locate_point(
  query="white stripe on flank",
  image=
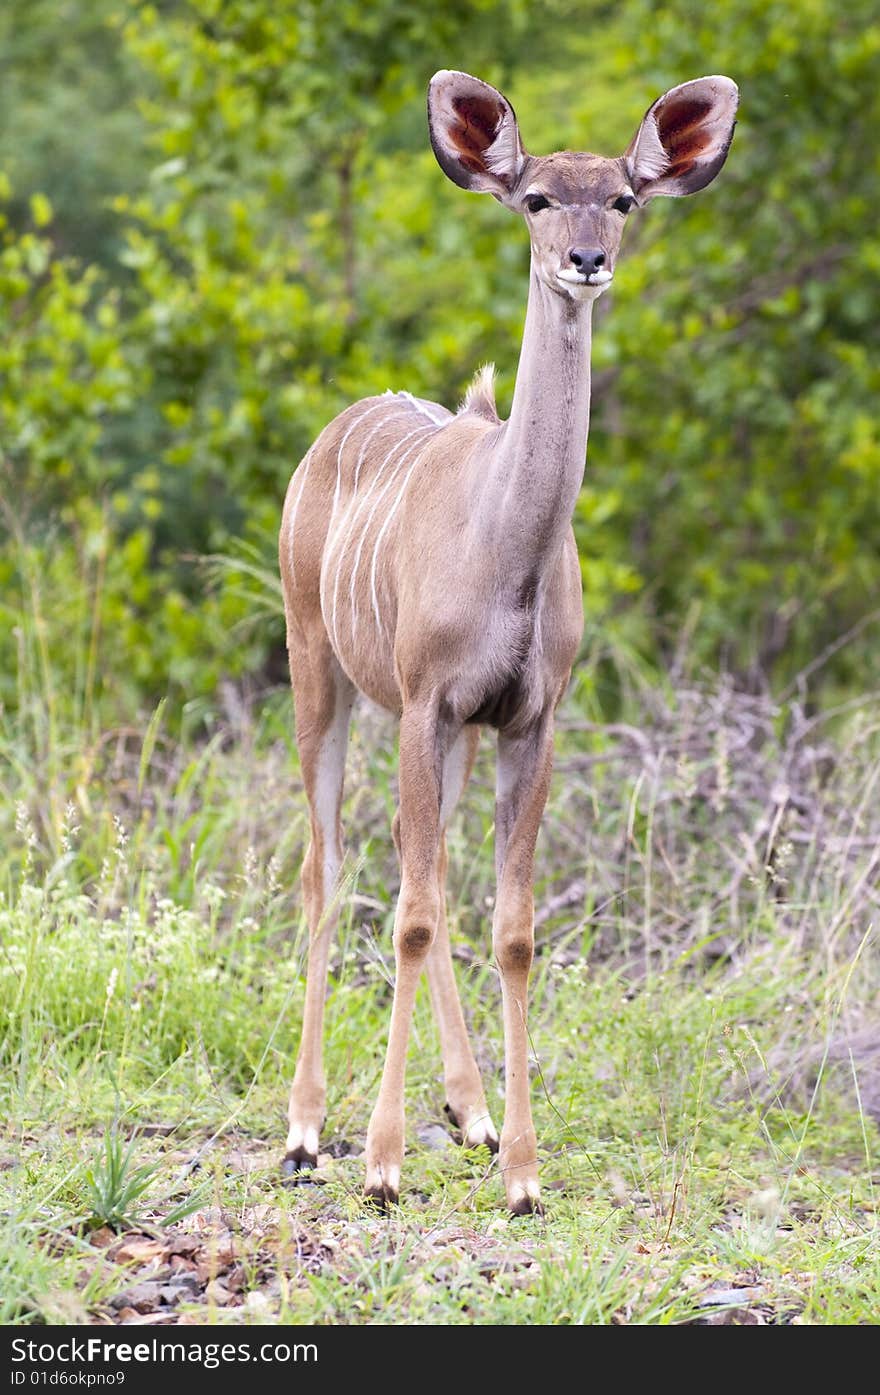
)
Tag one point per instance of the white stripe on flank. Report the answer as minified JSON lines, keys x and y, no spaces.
{"x":354,"y":517}
{"x":330,"y":543}
{"x":419,"y":431}
{"x":304,"y":467}
{"x":369,"y":436}
{"x":391,"y":512}
{"x":357,"y":421}
{"x":426,"y":410}
{"x":329,"y":546}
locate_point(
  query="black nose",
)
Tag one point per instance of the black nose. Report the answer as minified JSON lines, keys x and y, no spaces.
{"x":586,"y":259}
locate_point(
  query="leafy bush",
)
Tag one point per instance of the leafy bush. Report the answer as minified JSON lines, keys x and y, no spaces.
{"x":293,"y":246}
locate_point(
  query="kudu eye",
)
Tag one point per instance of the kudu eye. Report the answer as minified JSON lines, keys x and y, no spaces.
{"x":624,"y":203}
{"x":536,"y":203}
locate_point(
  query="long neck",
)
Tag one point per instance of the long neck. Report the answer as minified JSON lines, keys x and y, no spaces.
{"x":538,"y":462}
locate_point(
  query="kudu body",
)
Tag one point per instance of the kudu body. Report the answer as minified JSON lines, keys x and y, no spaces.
{"x":428,"y":560}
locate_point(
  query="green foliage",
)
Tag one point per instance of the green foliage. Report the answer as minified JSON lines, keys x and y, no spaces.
{"x":115,"y":1183}
{"x":288,"y":201}
{"x":703,"y":1084}
{"x":117,"y":1186}
{"x":739,"y":431}
{"x":83,"y":573}
{"x":282,"y":242}
{"x":68,"y":124}
{"x":63,"y":367}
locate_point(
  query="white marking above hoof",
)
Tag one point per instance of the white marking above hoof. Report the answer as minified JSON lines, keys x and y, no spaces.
{"x":379,"y":1177}
{"x":302,"y":1138}
{"x":481,"y":1131}
{"x":523,"y":1197}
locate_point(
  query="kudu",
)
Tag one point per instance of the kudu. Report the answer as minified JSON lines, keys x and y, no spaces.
{"x":428,"y":560}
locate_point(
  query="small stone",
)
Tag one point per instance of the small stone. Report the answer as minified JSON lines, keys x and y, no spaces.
{"x":729,"y":1297}
{"x":341,"y":1148}
{"x":433,"y":1136}
{"x":257,"y":1303}
{"x":181,"y":1289}
{"x":144,"y":1298}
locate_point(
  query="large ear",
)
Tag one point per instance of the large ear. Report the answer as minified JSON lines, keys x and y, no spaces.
{"x":684,"y":138}
{"x":474,"y":134}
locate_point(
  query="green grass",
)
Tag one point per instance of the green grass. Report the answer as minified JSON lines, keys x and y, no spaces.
{"x":703,"y":1025}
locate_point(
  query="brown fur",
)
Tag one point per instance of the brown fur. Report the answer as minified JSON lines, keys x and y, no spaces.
{"x":428,"y":561}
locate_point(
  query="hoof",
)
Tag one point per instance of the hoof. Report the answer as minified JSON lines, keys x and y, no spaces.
{"x":480,"y":1134}
{"x":381,"y":1198}
{"x":525,"y":1200}
{"x":490,"y":1141}
{"x":296,"y":1166}
{"x":526,"y":1206}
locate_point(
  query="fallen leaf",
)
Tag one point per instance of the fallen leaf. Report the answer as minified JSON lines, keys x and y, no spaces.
{"x":102,"y":1237}
{"x":179,"y":1264}
{"x":183,"y":1244}
{"x":137,"y":1249}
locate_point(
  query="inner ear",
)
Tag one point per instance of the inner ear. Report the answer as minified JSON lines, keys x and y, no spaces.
{"x":684,"y":138}
{"x":480,"y":120}
{"x":474,"y":134}
{"x":684,"y":131}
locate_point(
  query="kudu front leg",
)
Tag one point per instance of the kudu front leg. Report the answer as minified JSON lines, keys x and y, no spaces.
{"x":423,"y":745}
{"x":524,"y":767}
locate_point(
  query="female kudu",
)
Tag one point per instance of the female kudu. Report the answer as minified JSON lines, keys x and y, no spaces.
{"x":428,"y":560}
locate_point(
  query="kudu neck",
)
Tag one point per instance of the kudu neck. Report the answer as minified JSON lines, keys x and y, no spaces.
{"x":543,"y":448}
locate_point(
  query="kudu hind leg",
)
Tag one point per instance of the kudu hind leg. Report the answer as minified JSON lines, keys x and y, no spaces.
{"x":524,"y":766}
{"x":465,"y":1096}
{"x":323,"y":698}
